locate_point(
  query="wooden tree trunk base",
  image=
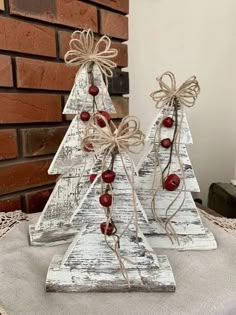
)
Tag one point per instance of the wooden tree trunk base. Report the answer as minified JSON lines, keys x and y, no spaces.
{"x":186,"y":242}
{"x":66,"y":279}
{"x":52,"y":237}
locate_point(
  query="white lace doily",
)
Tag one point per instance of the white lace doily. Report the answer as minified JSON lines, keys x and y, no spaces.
{"x":8,"y":220}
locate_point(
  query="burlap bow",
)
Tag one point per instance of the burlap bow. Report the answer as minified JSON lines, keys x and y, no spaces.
{"x":168,"y":93}
{"x":85,"y":50}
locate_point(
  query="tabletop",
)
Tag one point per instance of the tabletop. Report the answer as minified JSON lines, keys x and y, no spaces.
{"x":206,"y":282}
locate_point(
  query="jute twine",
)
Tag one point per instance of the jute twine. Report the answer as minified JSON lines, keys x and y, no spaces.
{"x":172,"y":98}
{"x":85,"y":50}
{"x":109,"y":141}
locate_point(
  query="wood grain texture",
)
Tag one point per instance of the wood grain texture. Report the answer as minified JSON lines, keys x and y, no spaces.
{"x":69,"y":154}
{"x":185,"y":134}
{"x":85,"y":269}
{"x":79,"y":100}
{"x":147,"y":166}
{"x":204,"y":241}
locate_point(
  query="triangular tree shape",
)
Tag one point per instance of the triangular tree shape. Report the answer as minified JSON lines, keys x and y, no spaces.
{"x":91,"y":262}
{"x":187,"y":220}
{"x":80,"y":100}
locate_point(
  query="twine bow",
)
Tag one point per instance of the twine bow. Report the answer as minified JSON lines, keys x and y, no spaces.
{"x":85,"y":50}
{"x":123,"y":138}
{"x":185,"y":95}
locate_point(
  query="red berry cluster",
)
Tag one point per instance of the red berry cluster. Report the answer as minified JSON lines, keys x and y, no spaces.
{"x":105,"y":200}
{"x":172,"y":181}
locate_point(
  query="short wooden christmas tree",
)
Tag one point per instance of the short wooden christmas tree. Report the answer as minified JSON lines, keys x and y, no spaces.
{"x":110,"y":253}
{"x":166,"y":177}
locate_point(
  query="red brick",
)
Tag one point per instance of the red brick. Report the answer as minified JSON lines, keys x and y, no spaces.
{"x":36,"y":201}
{"x":16,"y":177}
{"x":2,"y":7}
{"x":72,"y":13}
{"x":28,"y":108}
{"x":119,"y":5}
{"x":5,"y":71}
{"x":8,"y":144}
{"x":37,"y":74}
{"x":77,"y":14}
{"x":42,"y":10}
{"x":42,"y":141}
{"x":121,"y":59}
{"x":113,"y":24}
{"x":27,"y":37}
{"x":10,"y":204}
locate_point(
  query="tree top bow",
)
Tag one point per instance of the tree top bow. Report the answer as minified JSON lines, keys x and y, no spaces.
{"x":84,"y":49}
{"x":168,"y":93}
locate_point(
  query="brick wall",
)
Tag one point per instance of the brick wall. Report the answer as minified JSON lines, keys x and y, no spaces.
{"x":34,"y":84}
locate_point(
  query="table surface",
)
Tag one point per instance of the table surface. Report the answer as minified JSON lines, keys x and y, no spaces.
{"x":206,"y":282}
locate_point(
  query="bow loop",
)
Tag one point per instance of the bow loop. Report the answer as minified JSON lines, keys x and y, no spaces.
{"x":84,"y":49}
{"x":110,"y":138}
{"x":168,"y":93}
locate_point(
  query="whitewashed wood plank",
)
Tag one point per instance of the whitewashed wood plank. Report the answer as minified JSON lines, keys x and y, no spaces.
{"x":186,"y":221}
{"x":185,"y":134}
{"x":90,"y":209}
{"x":79,"y":100}
{"x":186,"y":242}
{"x":90,"y":265}
{"x":73,"y":280}
{"x":147,"y":167}
{"x":69,"y":155}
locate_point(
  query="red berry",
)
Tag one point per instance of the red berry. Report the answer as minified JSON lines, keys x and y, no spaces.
{"x":108,"y":176}
{"x":92,"y":177}
{"x":168,"y":122}
{"x":93,"y":90}
{"x":166,"y":143}
{"x":101,"y":122}
{"x":106,"y":229}
{"x":84,"y":116}
{"x":105,"y":200}
{"x":172,"y":182}
{"x":88,"y":147}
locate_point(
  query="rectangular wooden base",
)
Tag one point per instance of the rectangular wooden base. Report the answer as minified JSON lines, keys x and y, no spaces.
{"x":51,"y":237}
{"x":67,"y":279}
{"x":186,"y":242}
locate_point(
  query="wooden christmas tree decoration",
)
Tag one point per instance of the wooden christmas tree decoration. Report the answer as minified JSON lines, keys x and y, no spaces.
{"x":110,"y":253}
{"x":89,"y":95}
{"x":166,"y":177}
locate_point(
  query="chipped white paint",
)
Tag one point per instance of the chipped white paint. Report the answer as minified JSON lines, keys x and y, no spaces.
{"x":122,"y":205}
{"x":185,"y":134}
{"x":187,"y":222}
{"x":90,"y":265}
{"x":204,"y":241}
{"x":80,"y":100}
{"x":146,"y":169}
{"x":69,"y":154}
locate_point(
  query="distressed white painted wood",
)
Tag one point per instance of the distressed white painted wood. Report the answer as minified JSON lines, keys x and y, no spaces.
{"x":122,"y":205}
{"x":69,"y":155}
{"x":204,"y":241}
{"x":186,"y":221}
{"x":90,"y":265}
{"x":79,"y":100}
{"x":185,"y":133}
{"x":146,"y":169}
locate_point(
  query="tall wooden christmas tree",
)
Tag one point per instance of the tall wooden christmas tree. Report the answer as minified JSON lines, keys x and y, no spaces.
{"x":166,"y":177}
{"x":110,"y":253}
{"x":88,"y":95}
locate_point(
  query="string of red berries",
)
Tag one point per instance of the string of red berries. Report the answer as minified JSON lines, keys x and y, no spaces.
{"x":170,"y":181}
{"x":108,"y":177}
